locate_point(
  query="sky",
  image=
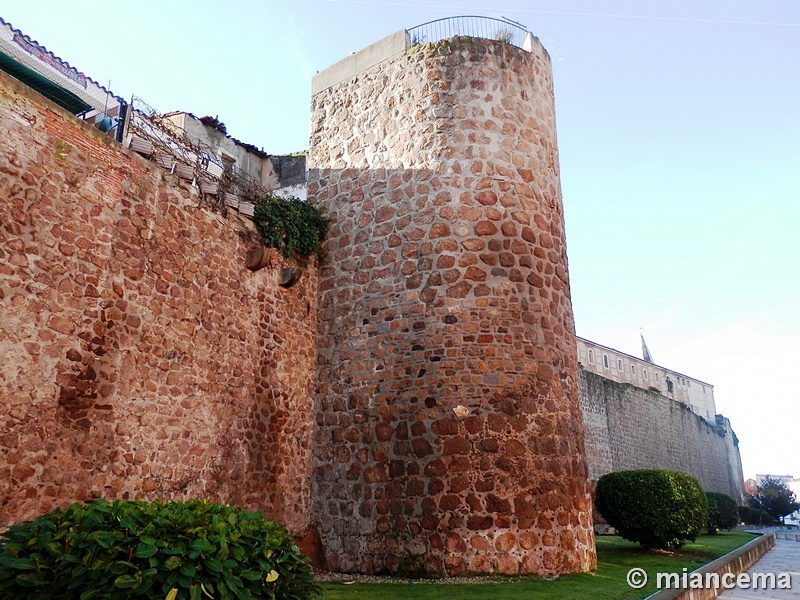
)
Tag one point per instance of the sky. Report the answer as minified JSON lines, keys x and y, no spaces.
{"x":679,"y":140}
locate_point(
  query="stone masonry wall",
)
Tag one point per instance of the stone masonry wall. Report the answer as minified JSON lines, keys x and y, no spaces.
{"x":734,"y":464}
{"x":631,"y":428}
{"x":449,"y":436}
{"x":140,"y":358}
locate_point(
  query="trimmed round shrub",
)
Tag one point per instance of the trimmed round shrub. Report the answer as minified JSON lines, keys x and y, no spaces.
{"x":164,"y":550}
{"x":657,"y":509}
{"x":722,"y":512}
{"x":755,"y":516}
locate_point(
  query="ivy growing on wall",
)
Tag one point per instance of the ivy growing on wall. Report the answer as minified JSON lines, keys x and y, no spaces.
{"x":292,"y":226}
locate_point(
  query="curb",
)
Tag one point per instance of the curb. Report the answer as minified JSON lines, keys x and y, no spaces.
{"x":737,"y":561}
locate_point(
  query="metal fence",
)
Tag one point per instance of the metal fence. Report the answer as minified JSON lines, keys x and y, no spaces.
{"x":501,"y":30}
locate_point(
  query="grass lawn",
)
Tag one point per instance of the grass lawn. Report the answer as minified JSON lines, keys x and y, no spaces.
{"x":615,"y":557}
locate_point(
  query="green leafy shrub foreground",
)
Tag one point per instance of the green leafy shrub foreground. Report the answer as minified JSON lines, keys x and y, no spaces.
{"x":656,"y":508}
{"x":135,"y":549}
{"x":722,"y":512}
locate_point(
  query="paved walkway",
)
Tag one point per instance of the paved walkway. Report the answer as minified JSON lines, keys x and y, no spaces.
{"x":783,"y":558}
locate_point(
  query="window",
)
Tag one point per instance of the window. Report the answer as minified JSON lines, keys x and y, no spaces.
{"x":633,"y":369}
{"x":644,"y":374}
{"x":688,"y":383}
{"x":619,"y":365}
{"x":656,"y":376}
{"x":605,"y":360}
{"x":591,"y":357}
{"x":228,"y":162}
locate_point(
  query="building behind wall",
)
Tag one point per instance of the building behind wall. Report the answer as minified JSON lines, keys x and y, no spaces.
{"x":638,"y":414}
{"x":624,"y":368}
{"x":31,"y":63}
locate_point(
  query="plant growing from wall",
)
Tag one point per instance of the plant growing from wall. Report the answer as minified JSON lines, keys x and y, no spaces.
{"x":504,"y":35}
{"x":292,"y":226}
{"x":657,"y":509}
{"x":164,"y":550}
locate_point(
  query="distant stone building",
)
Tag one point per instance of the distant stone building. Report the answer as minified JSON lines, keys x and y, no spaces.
{"x":640,"y":415}
{"x":624,"y":368}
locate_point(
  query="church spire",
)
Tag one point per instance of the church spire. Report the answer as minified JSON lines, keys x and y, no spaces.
{"x":645,"y":352}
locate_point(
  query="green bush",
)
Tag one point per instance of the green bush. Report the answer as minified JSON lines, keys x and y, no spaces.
{"x":722,"y":512}
{"x":294,"y":227}
{"x":169,"y":550}
{"x":755,"y":516}
{"x":658,"y":509}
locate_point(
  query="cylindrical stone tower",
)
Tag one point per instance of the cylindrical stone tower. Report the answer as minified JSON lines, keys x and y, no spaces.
{"x":448,"y":433}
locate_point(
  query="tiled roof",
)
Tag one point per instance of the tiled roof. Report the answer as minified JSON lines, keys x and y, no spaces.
{"x":54,"y":61}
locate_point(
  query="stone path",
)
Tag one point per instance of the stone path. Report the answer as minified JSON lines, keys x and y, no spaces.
{"x":783,"y":558}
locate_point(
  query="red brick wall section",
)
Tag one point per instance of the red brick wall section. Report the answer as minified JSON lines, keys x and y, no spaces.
{"x":449,"y":437}
{"x":140,"y":358}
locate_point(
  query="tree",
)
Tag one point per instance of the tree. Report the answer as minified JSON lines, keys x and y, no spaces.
{"x":775,"y":497}
{"x":722,"y":512}
{"x":657,"y":509}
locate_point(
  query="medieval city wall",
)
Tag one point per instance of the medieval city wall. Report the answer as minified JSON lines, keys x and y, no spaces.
{"x":627,"y":427}
{"x":140,"y":358}
{"x":449,"y":437}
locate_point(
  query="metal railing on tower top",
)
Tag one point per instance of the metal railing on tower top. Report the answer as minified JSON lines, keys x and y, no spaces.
{"x":502,"y":30}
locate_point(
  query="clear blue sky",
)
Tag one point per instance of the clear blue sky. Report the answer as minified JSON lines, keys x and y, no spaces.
{"x":679,"y":136}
